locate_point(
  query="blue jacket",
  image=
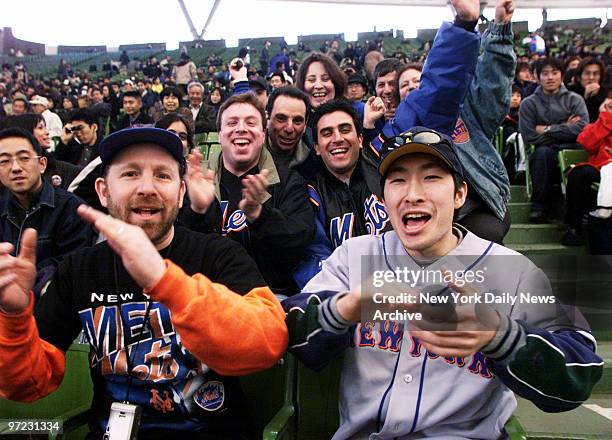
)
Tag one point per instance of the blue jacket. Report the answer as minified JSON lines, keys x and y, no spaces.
{"x":482,"y":112}
{"x":60,"y":229}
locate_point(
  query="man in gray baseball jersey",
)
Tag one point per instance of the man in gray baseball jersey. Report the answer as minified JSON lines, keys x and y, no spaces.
{"x":426,"y":370}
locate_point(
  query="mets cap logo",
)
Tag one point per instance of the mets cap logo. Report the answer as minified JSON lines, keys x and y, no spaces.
{"x":210,"y":396}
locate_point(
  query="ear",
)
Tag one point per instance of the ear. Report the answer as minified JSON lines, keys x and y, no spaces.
{"x":317,"y":149}
{"x":42,"y":164}
{"x":461,"y":195}
{"x":182,"y":191}
{"x":102,"y":191}
{"x":360,"y":137}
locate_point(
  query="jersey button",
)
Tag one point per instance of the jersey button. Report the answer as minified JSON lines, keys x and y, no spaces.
{"x":408,"y":378}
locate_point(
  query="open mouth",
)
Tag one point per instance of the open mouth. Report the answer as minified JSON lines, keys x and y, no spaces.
{"x":146,"y":212}
{"x":338,"y":151}
{"x":319,"y":95}
{"x":414,"y":222}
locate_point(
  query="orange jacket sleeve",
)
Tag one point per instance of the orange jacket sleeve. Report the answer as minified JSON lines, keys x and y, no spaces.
{"x":593,"y":135}
{"x":233,"y":334}
{"x":30,"y":368}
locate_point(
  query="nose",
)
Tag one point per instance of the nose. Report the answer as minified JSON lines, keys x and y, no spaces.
{"x":241,"y":125}
{"x":414,"y":192}
{"x":15,"y":166}
{"x":336,"y":137}
{"x":146,"y":184}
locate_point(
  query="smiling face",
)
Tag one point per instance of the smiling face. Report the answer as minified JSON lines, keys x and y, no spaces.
{"x":318,"y":85}
{"x":386,"y":87}
{"x":420,"y":198}
{"x":171,"y":103}
{"x":287,"y":123}
{"x":142,"y":186}
{"x":338,"y":143}
{"x":241,"y":137}
{"x":41,"y":133}
{"x":409,"y":81}
{"x":550,"y":80}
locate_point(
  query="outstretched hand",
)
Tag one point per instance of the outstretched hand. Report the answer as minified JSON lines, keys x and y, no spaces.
{"x":17,"y":274}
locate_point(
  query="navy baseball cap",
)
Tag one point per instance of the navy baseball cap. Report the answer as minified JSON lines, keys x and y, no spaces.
{"x":114,"y":143}
{"x":420,"y":140}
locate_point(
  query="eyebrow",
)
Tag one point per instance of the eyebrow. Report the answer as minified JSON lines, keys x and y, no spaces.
{"x":16,"y":153}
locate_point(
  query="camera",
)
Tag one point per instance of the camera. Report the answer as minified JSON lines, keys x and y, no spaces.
{"x":123,"y":422}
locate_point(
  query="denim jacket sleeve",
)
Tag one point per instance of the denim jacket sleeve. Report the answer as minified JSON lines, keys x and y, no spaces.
{"x":488,"y":96}
{"x":448,"y":71}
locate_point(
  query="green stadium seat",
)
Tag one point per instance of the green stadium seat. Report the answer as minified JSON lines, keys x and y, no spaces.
{"x":69,"y":404}
{"x":271,"y":399}
{"x":498,"y":140}
{"x":568,"y":159}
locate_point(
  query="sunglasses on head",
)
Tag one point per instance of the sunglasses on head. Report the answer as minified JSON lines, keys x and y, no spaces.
{"x":422,"y":137}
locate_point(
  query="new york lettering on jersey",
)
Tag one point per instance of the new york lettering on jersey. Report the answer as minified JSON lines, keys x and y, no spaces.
{"x":389,"y":335}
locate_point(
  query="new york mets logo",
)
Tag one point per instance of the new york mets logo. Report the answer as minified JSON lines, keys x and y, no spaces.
{"x":460,"y":134}
{"x":210,"y":396}
{"x":375,"y":214}
{"x":236,"y":221}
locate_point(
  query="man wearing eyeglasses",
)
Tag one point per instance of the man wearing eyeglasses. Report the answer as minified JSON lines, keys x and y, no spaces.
{"x":31,"y":202}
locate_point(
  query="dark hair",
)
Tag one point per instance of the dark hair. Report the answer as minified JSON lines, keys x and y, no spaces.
{"x":590,"y":61}
{"x":281,"y":76}
{"x":242,"y":98}
{"x":133,"y":94}
{"x":84,"y":114}
{"x":169,"y":90}
{"x":550,"y":62}
{"x":517,"y":89}
{"x":336,"y":105}
{"x":520,"y":66}
{"x":209,"y":102}
{"x":169,"y":119}
{"x":569,"y":60}
{"x":19,"y":132}
{"x":386,"y":66}
{"x":336,"y":75}
{"x":27,"y":121}
{"x":291,"y":92}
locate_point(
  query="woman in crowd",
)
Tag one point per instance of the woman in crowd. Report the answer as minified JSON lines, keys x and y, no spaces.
{"x":322,"y":80}
{"x":171,"y":103}
{"x":215,"y":99}
{"x":178,"y":125}
{"x":69,"y":103}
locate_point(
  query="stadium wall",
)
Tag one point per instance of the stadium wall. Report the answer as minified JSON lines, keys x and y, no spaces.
{"x":8,"y":41}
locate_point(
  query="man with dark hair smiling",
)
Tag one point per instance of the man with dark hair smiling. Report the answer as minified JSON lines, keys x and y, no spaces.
{"x":138,"y":298}
{"x":134,"y":114}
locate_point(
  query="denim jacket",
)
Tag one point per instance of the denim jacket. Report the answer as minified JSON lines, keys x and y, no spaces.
{"x":60,"y":229}
{"x":483,"y":111}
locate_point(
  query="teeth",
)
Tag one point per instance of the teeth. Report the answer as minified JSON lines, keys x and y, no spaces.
{"x":319,"y":95}
{"x":339,"y":150}
{"x":241,"y":142}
